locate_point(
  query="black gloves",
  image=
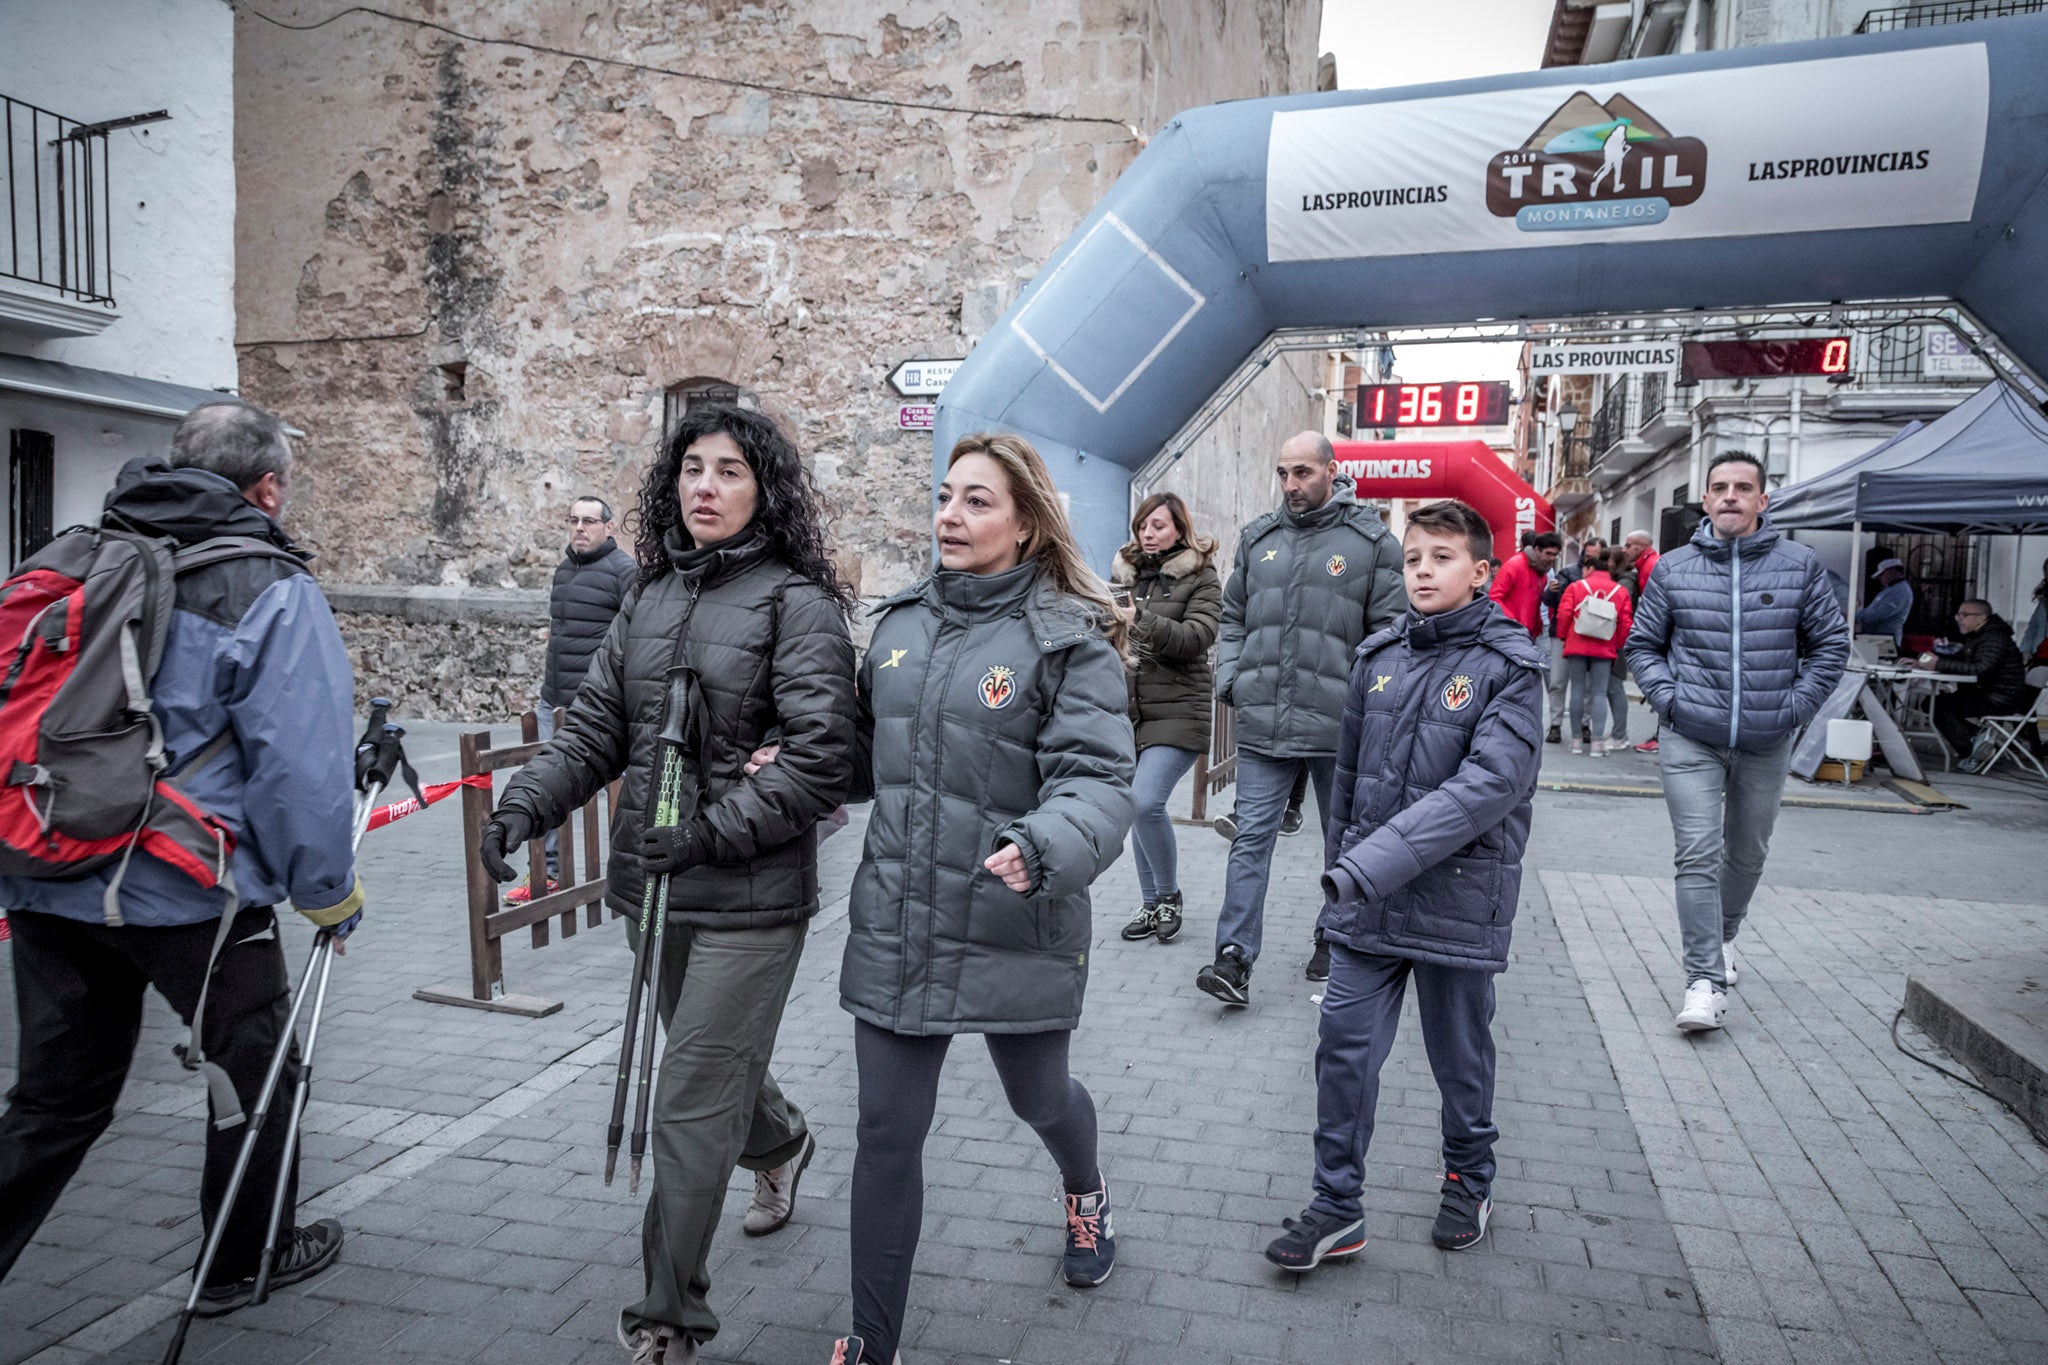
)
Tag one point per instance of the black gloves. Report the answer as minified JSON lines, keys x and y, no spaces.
{"x":673,"y":848}
{"x":503,"y":832}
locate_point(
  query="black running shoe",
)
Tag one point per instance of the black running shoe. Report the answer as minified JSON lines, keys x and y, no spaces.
{"x":1144,"y":924}
{"x":1555,"y":735}
{"x":1461,"y":1218}
{"x":1318,"y":968}
{"x":1314,"y":1238}
{"x":1290,"y":823}
{"x":1166,"y":924}
{"x":306,"y":1252}
{"x":1229,"y":977}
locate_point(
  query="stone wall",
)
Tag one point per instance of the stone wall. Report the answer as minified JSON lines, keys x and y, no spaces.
{"x":469,"y":272}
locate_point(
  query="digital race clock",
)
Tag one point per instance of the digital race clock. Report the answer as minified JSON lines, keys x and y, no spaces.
{"x":1477,"y":403}
{"x":1766,"y":358}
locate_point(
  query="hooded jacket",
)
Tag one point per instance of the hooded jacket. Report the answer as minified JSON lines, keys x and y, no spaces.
{"x":1305,"y":590}
{"x":771,"y":655}
{"x":252,"y":651}
{"x":1989,"y":654}
{"x":1179,"y":603}
{"x":992,"y":711}
{"x":1436,"y":765}
{"x":1737,"y":643}
{"x":589,"y":586}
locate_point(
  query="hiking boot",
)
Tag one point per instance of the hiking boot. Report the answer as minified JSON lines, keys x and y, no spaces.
{"x":847,"y":1351}
{"x":1314,"y":1238}
{"x":1091,"y":1243}
{"x":1229,"y":977}
{"x":1144,"y":924}
{"x":775,"y":1192}
{"x":658,"y":1346}
{"x":1461,"y":1218}
{"x":1554,"y":735}
{"x":1166,"y":921}
{"x":522,"y":894}
{"x":1290,"y":823}
{"x":1728,"y":971}
{"x":1318,"y":968}
{"x":1226,"y":825}
{"x":303,"y":1253}
{"x":1706,"y":1007}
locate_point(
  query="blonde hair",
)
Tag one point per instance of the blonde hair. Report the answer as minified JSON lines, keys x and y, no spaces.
{"x":1050,"y":539}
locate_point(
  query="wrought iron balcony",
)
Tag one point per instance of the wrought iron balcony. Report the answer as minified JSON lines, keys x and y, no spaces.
{"x":54,"y":179}
{"x":1959,"y":12}
{"x":1611,"y":423}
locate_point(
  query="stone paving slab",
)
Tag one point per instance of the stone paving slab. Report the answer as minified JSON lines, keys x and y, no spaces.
{"x":463,"y":1151}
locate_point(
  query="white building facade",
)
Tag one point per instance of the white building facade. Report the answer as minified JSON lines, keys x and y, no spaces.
{"x":117,"y":247}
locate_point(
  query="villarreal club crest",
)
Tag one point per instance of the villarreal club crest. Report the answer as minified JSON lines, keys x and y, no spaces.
{"x":998,"y":687}
{"x":1334,"y":566}
{"x":1457,"y":693}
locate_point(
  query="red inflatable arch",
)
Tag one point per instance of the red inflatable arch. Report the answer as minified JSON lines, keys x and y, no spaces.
{"x":1467,"y":470}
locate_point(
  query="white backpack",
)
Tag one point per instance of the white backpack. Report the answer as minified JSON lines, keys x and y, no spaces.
{"x":1597,"y":618}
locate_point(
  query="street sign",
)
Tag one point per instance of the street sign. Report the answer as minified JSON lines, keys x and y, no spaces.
{"x":923,"y":378}
{"x":1603,"y":357}
{"x":1947,"y":356}
{"x":917,"y":416}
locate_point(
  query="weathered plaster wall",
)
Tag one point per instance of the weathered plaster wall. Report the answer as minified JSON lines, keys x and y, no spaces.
{"x":469,"y":271}
{"x":172,"y":183}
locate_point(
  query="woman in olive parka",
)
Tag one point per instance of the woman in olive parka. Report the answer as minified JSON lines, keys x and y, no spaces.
{"x":996,"y":743}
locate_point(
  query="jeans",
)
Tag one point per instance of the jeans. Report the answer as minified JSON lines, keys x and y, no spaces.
{"x":1355,"y":1031}
{"x":1956,"y":715}
{"x":1723,"y":803}
{"x":1589,"y":673}
{"x":1617,"y":699}
{"x":715,"y":1105}
{"x":78,"y":992}
{"x":1160,"y":769}
{"x":1557,"y":680}
{"x":1262,"y":788}
{"x":899,"y":1094}
{"x":544,"y":712}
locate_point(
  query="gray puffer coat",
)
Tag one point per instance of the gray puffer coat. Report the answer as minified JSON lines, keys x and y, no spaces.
{"x":772,"y":656}
{"x":991,"y":712}
{"x":1179,"y":602}
{"x":1305,"y":591}
{"x":1737,"y":643}
{"x":588,"y":590}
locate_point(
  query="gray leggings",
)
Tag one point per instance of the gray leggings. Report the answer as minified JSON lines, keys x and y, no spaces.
{"x":899,"y":1093}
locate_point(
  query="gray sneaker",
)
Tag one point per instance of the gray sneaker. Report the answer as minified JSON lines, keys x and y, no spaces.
{"x":658,"y":1346}
{"x":775,"y":1192}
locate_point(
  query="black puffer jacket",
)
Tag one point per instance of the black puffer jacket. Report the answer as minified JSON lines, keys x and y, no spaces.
{"x":1989,"y":654}
{"x":1179,"y":602}
{"x":587,"y":592}
{"x":772,"y":656}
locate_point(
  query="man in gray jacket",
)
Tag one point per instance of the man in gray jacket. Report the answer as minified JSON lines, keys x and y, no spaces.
{"x":1737,"y":641}
{"x":1312,"y":579}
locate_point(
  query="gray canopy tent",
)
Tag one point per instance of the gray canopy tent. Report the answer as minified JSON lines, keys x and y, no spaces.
{"x":1982,"y":466}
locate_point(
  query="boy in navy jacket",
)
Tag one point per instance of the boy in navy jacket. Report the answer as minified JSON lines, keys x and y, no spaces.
{"x":1436,"y":762}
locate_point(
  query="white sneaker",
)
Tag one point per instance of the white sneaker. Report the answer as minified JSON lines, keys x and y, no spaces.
{"x":1578,"y":747}
{"x":1599,"y":748}
{"x":1706,"y":1006}
{"x":1728,"y":971}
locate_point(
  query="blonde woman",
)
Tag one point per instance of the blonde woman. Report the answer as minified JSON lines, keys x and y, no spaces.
{"x":998,"y":753}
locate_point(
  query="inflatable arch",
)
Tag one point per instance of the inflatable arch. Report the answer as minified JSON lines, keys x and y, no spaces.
{"x":1450,"y":469}
{"x":1886,"y":167}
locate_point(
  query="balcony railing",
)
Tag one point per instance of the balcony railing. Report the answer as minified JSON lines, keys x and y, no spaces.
{"x":1655,"y":387}
{"x":54,"y":180}
{"x":1959,"y":12}
{"x":1611,"y":423}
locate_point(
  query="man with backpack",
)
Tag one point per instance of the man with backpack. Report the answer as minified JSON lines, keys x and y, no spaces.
{"x":238,"y":693}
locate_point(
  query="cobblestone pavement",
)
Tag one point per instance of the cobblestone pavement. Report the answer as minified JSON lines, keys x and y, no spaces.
{"x":463,"y":1150}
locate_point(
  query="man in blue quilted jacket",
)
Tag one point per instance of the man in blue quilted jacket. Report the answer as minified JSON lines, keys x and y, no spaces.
{"x":1737,"y":641}
{"x":1436,"y":763}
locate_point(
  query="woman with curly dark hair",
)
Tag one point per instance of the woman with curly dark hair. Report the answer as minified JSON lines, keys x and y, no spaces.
{"x":738,"y":599}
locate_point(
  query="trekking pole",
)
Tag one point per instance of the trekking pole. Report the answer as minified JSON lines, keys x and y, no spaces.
{"x":323,"y":947}
{"x":668,"y":811}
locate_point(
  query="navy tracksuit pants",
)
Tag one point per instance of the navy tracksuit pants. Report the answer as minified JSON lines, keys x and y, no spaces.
{"x":1361,"y":1011}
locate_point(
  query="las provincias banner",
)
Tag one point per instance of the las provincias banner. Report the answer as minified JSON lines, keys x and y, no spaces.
{"x":1883,"y":140}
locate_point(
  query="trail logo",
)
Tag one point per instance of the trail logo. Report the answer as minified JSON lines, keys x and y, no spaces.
{"x":1335,"y":566}
{"x":1457,"y":693}
{"x":998,"y":687}
{"x":1594,"y":165}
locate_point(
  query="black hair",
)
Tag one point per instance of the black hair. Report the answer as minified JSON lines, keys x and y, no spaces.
{"x":602,"y":506}
{"x":1449,"y":517}
{"x":1545,"y":540}
{"x":2041,"y":588}
{"x":786,"y":505}
{"x":1736,"y":457}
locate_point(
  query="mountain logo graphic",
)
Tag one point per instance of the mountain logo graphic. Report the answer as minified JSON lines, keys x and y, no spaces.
{"x":1595,"y":165}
